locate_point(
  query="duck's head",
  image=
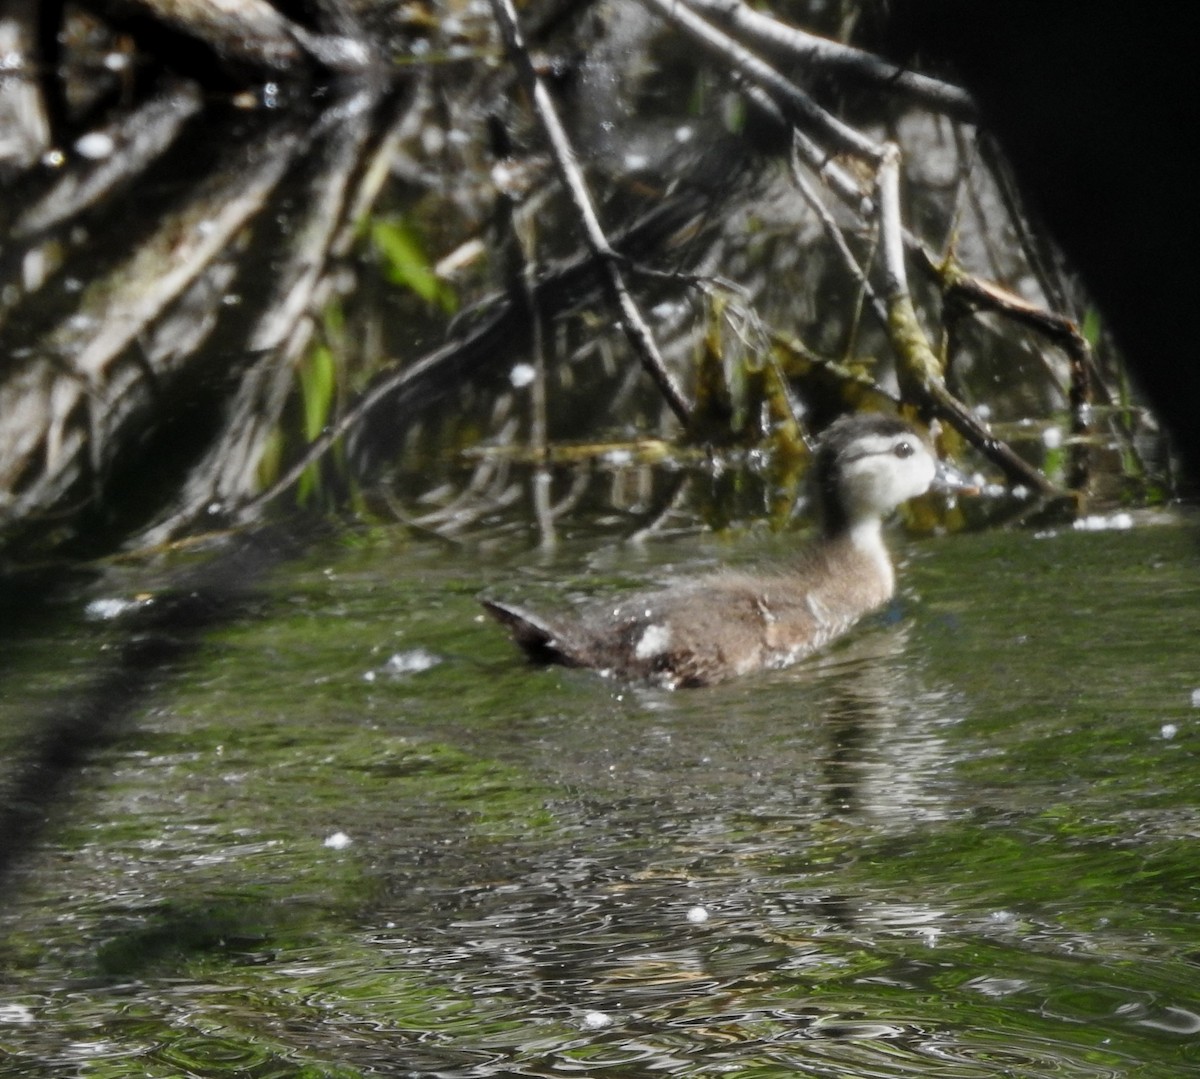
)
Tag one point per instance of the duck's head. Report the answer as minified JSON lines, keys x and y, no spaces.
{"x":866,"y":465}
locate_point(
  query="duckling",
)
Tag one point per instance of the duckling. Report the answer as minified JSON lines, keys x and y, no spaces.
{"x":729,"y":622}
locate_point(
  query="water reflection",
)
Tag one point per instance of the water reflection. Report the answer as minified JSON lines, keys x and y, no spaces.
{"x":855,"y":735}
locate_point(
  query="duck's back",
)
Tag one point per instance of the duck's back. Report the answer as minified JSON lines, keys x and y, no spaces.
{"x":725,"y":624}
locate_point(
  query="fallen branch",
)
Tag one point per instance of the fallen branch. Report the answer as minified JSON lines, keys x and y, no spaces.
{"x":257,"y":33}
{"x":965,"y":294}
{"x":918,"y":368}
{"x":78,"y":392}
{"x":918,"y":361}
{"x":797,"y":106}
{"x":769,"y":32}
{"x":136,"y":140}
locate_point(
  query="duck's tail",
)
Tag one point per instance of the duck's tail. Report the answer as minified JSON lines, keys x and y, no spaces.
{"x":540,"y":640}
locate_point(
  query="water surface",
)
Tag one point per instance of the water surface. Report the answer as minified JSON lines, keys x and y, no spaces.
{"x":962,"y":843}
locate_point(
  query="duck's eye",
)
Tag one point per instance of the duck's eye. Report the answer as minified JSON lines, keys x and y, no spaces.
{"x":903,"y":449}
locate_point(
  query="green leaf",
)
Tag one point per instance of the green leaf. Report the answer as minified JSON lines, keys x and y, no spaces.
{"x":318,"y":380}
{"x":407,"y":264}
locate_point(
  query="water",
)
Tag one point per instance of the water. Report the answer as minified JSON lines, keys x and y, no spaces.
{"x":960,"y":844}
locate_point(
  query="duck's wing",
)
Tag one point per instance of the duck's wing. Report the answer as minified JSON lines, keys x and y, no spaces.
{"x":539,"y":638}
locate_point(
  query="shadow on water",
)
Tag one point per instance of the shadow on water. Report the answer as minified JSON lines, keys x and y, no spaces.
{"x":83,"y":718}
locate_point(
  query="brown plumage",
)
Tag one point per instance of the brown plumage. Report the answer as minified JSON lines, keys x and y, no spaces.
{"x":730,"y":622}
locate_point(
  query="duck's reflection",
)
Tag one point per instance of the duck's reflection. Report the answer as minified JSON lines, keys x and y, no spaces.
{"x":882,"y":750}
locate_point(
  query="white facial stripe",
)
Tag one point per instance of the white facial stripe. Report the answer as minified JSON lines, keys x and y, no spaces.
{"x":872,"y":445}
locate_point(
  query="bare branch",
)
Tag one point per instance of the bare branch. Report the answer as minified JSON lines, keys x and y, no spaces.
{"x":632,"y":322}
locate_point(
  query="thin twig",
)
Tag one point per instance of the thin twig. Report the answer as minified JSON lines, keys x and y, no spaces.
{"x":518,"y":252}
{"x":841,"y":181}
{"x":836,"y":238}
{"x":632,"y":322}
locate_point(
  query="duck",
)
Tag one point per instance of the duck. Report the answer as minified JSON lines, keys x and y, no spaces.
{"x":731,"y":622}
